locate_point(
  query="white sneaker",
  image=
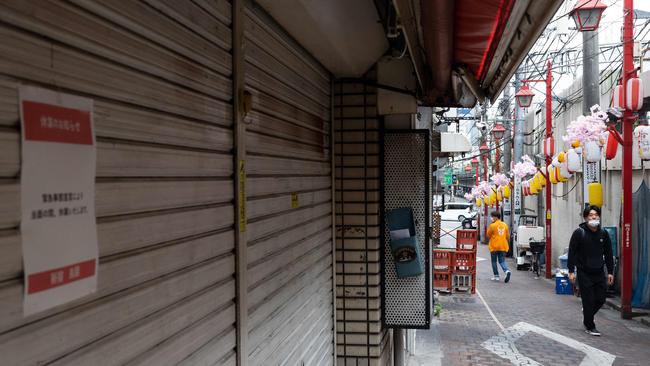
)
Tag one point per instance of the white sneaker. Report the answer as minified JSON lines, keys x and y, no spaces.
{"x":495,"y":278}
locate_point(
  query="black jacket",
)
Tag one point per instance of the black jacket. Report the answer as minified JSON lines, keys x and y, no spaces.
{"x":589,"y":250}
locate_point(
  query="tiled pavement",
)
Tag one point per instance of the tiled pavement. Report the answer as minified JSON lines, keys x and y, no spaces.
{"x":465,"y":327}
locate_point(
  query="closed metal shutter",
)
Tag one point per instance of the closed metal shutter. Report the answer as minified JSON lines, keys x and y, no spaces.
{"x":160,"y":75}
{"x":289,"y":192}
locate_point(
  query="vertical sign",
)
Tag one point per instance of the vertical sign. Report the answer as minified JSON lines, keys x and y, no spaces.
{"x":517,"y":204}
{"x":242,"y":196}
{"x":57,"y":191}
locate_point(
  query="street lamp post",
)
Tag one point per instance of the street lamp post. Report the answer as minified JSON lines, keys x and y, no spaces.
{"x":587,"y":14}
{"x":524,"y":98}
{"x":628,"y":121}
{"x":485,"y":150}
{"x":497,"y":132}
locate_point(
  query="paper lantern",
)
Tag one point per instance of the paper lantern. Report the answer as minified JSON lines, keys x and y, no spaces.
{"x":506,"y":191}
{"x":572,"y":161}
{"x":575,"y":144}
{"x":564,"y":173}
{"x":479,"y":202}
{"x":617,"y":97}
{"x":555,"y":162}
{"x":493,"y":197}
{"x":499,"y":195}
{"x":634,"y":94}
{"x":611,"y":147}
{"x":551,"y":174}
{"x":561,"y":157}
{"x":642,"y":133}
{"x":549,"y":146}
{"x":592,"y":152}
{"x":595,"y":192}
{"x":558,"y":175}
{"x":535,"y":187}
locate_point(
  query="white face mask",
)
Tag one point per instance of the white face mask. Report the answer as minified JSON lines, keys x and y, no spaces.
{"x":593,"y":223}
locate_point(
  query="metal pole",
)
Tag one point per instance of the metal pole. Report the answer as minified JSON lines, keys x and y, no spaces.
{"x":507,"y":146}
{"x":549,"y":134}
{"x":485,"y":209}
{"x":398,"y":343}
{"x":518,"y":153}
{"x":591,"y":91}
{"x":628,"y":119}
{"x":496,"y":163}
{"x":507,"y":152}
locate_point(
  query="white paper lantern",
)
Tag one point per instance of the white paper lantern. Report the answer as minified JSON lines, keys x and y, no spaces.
{"x":617,"y":98}
{"x":642,"y":133}
{"x":634,"y":94}
{"x":592,"y":151}
{"x":549,"y":146}
{"x":564,"y":170}
{"x":555,"y":161}
{"x":572,"y":161}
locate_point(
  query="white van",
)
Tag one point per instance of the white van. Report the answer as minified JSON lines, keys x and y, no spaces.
{"x":458,"y":211}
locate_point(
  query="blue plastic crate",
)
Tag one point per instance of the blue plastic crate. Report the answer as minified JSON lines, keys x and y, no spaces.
{"x":563,"y":286}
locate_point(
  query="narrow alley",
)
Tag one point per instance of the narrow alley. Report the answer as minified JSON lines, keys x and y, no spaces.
{"x":271,"y":182}
{"x":524,"y":322}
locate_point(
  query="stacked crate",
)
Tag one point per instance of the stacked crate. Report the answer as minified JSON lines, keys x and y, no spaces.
{"x":443,"y":260}
{"x":456,"y":269}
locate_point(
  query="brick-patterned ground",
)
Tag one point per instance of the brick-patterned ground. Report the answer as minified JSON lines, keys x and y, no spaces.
{"x":457,"y":337}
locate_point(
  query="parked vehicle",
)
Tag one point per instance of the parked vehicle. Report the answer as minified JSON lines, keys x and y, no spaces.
{"x":458,"y":211}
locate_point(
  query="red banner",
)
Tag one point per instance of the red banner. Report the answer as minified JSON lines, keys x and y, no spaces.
{"x":46,"y":280}
{"x":47,"y":122}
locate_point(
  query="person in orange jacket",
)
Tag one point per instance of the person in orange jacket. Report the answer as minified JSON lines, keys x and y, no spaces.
{"x":499,"y":235}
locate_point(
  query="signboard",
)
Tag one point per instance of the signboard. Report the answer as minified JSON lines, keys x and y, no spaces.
{"x":516,"y":193}
{"x":57,"y":190}
{"x":448,"y":179}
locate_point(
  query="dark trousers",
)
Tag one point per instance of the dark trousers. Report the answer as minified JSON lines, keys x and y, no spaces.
{"x":592,"y":291}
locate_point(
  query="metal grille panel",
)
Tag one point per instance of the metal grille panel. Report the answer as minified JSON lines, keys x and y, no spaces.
{"x":406,"y":184}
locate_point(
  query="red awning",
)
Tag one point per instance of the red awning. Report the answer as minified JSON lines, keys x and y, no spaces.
{"x":478,"y":26}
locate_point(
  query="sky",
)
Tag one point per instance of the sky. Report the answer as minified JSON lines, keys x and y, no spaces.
{"x":563,"y":27}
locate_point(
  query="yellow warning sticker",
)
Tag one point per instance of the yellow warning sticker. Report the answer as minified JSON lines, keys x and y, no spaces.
{"x":294,"y":200}
{"x":242,"y":196}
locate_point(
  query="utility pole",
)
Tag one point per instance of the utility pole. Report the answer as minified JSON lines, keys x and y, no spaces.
{"x":507,"y":151}
{"x":628,"y":121}
{"x":591,"y":96}
{"x":518,"y":149}
{"x":548,"y":190}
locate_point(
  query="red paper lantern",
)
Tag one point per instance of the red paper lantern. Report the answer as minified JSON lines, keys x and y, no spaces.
{"x":612,"y":147}
{"x":617,"y":97}
{"x":634,"y":94}
{"x":549,"y":146}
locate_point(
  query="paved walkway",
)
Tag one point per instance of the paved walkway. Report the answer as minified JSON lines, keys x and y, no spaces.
{"x":525,"y":323}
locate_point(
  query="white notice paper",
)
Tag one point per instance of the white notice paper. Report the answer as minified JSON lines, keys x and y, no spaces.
{"x":57,"y":187}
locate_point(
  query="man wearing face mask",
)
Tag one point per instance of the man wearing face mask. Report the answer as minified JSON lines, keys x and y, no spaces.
{"x":590,"y":249}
